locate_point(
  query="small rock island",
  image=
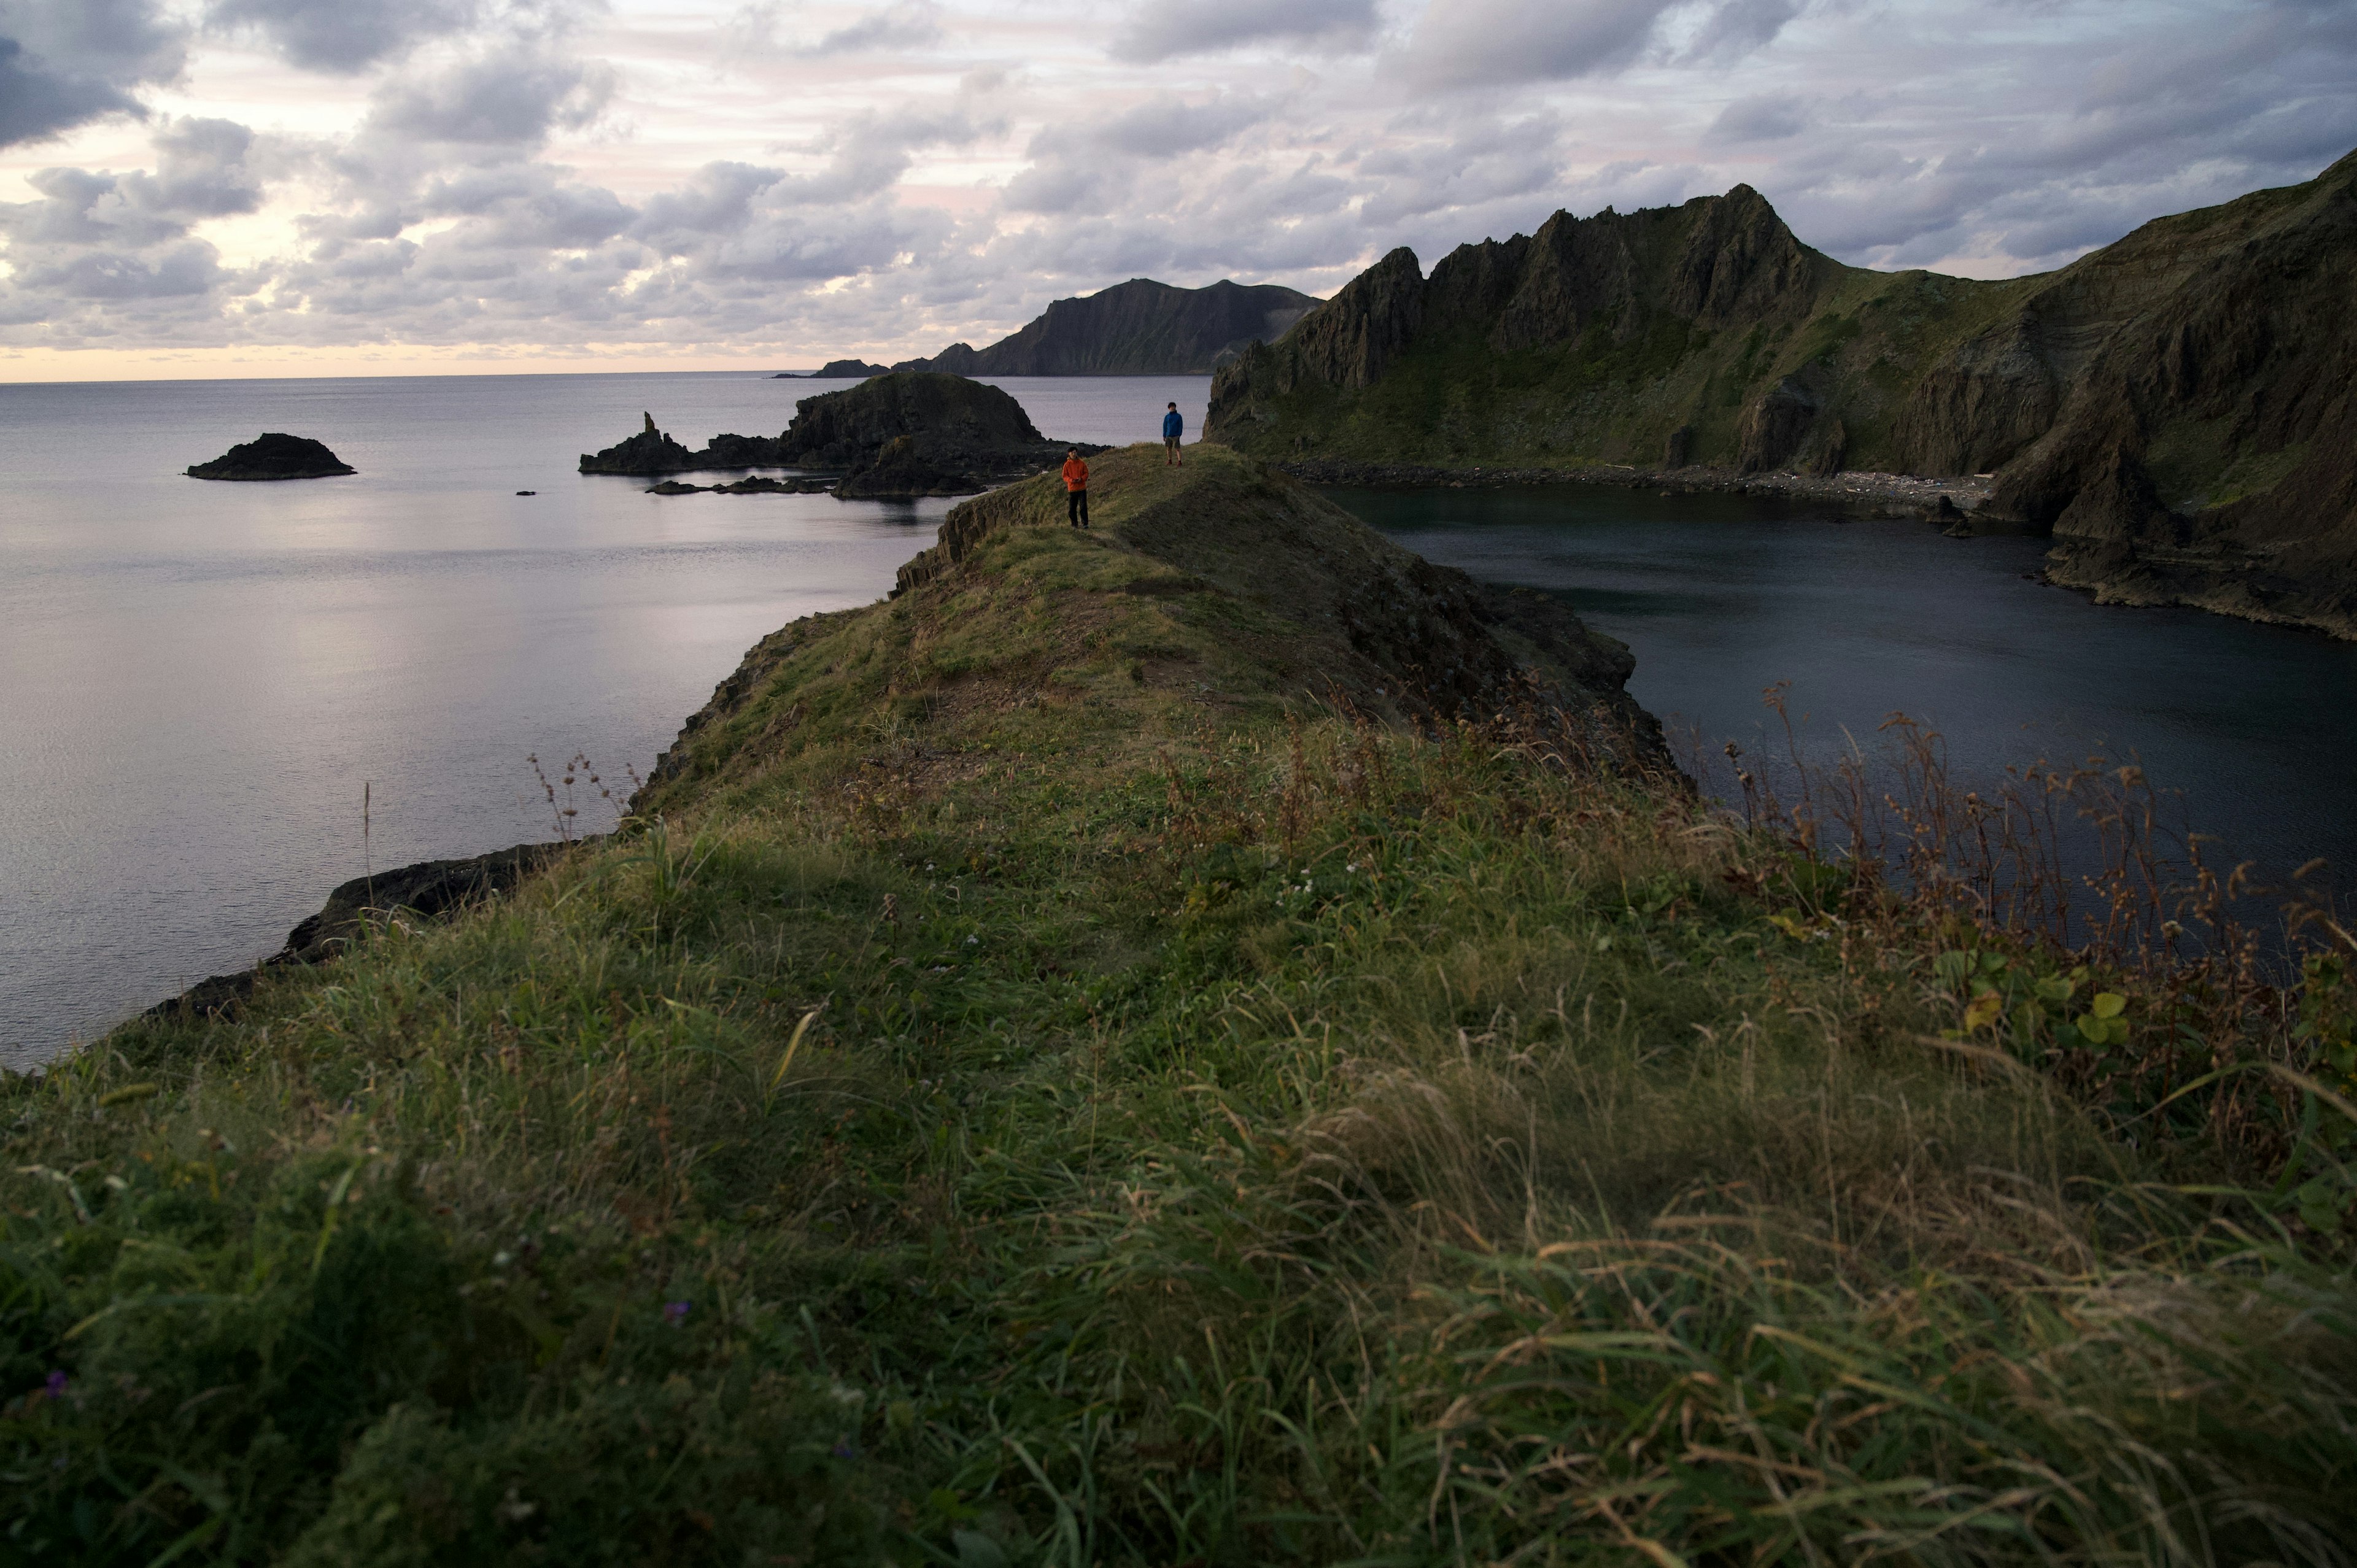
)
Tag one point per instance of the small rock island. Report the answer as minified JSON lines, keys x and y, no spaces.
{"x":273,"y":455}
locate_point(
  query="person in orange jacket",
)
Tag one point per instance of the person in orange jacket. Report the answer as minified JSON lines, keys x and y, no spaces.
{"x":1076,"y":489}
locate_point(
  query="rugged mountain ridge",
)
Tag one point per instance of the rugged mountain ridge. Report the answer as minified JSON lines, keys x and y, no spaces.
{"x":1137,"y":329}
{"x":2173,"y":407}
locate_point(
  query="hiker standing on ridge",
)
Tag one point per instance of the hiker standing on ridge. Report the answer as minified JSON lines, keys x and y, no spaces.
{"x":1174,"y":425}
{"x":1076,"y":489}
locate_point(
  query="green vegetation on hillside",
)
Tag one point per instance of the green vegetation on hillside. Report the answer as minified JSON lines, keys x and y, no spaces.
{"x":1046,"y":1078}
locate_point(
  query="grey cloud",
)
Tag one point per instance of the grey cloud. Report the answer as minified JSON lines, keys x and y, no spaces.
{"x":1165,"y":126}
{"x":201,"y":173}
{"x":909,"y":25}
{"x":64,"y":63}
{"x":189,"y":268}
{"x":1162,"y":29}
{"x":716,"y":200}
{"x":1770,"y":117}
{"x":1495,"y":43}
{"x":1735,"y":27}
{"x":343,"y":36}
{"x":509,"y":98}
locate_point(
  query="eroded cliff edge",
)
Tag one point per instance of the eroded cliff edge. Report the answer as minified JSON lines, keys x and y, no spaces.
{"x":2175,"y":408}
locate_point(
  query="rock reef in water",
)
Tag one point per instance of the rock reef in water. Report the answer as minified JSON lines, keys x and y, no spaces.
{"x":274,"y":455}
{"x":752,"y":484}
{"x":2173,"y":408}
{"x":956,"y":425}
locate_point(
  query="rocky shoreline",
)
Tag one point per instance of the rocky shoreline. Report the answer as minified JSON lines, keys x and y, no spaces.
{"x":1872,"y":494}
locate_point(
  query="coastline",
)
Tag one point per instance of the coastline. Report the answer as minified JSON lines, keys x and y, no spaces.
{"x":1879,"y":494}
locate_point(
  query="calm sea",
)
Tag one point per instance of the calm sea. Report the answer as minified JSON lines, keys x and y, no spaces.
{"x":197,"y":679}
{"x":200,"y":678}
{"x":2244,"y":728}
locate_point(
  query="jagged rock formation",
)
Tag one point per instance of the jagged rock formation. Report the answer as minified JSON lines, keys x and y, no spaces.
{"x":2175,"y":407}
{"x":648,"y":452}
{"x":1137,"y":329}
{"x":953,"y":423}
{"x":274,"y":455}
{"x":652,"y":452}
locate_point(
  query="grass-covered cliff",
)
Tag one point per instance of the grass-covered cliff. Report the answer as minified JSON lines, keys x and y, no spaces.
{"x":2173,"y":407}
{"x":1201,"y":1041}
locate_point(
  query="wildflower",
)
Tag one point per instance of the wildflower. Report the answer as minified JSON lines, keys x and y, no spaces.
{"x":55,"y":1385}
{"x":675,"y":1312}
{"x":844,"y":1450}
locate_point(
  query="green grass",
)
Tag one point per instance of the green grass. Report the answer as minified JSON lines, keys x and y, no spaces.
{"x":1009,"y":1109}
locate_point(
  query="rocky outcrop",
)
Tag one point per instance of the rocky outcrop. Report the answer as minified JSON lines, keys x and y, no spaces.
{"x":648,"y":452}
{"x":901,"y":471}
{"x":651,"y":452}
{"x":2175,"y":408}
{"x":429,"y":889}
{"x":274,"y":455}
{"x":1137,"y":329}
{"x":953,"y":425}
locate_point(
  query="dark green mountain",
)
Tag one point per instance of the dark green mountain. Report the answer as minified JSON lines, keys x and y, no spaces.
{"x":1137,"y":329}
{"x":2175,"y":408}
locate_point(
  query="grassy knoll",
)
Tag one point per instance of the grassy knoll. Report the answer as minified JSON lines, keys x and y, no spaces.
{"x":1063,"y":1069}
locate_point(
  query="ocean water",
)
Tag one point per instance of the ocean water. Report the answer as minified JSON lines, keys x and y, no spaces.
{"x":197,"y":681}
{"x":2244,"y":728}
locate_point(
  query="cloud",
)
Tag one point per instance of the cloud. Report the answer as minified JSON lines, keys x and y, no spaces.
{"x":1158,"y":30}
{"x":1493,"y":43}
{"x":503,"y":98}
{"x":64,"y":63}
{"x":907,"y":24}
{"x":343,"y":36}
{"x":1167,"y":126}
{"x":1768,"y":117}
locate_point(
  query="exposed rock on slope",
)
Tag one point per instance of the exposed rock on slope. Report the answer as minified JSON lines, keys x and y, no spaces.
{"x":2174,"y":407}
{"x":954,"y":423}
{"x":1137,"y":328}
{"x":431,"y":888}
{"x":274,"y":455}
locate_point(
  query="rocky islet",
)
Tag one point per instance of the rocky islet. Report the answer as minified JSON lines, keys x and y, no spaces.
{"x":273,"y":455}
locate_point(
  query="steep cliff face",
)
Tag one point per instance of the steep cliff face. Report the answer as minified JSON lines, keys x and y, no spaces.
{"x":2204,"y":447}
{"x":1137,"y":328}
{"x":1596,"y":339}
{"x":2175,"y":407}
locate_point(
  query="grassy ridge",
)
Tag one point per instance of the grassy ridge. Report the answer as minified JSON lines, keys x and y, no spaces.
{"x":1038,"y":1084}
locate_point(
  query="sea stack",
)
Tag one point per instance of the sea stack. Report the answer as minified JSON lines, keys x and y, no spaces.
{"x":274,"y":455}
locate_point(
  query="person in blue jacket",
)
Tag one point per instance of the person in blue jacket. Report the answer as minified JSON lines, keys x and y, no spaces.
{"x":1174,"y":424}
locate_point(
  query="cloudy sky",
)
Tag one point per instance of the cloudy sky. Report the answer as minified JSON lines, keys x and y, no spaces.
{"x":290,"y":186}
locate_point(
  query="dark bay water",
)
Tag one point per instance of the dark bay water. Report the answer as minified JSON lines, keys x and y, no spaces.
{"x":197,"y":679}
{"x":1720,"y":596}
